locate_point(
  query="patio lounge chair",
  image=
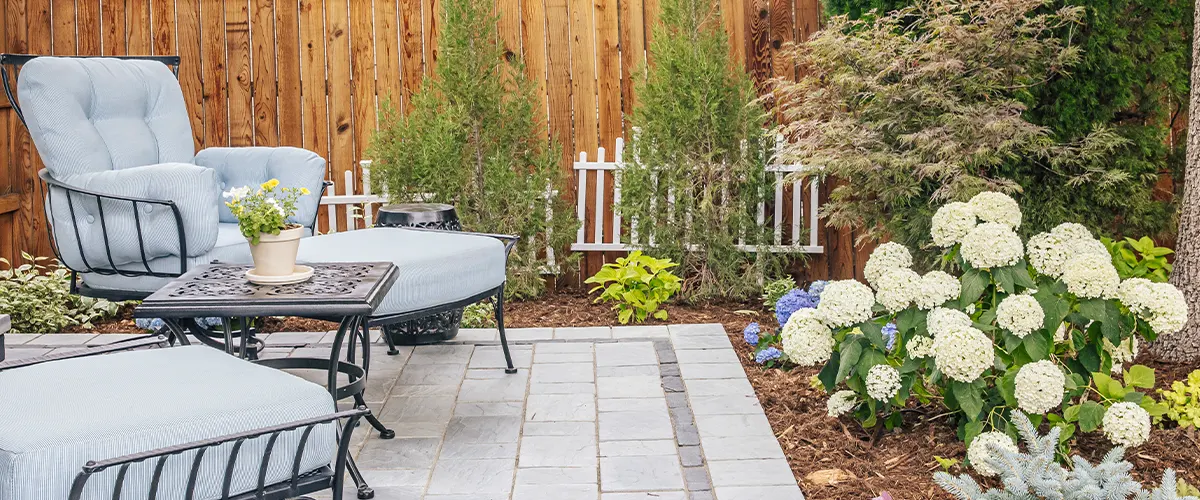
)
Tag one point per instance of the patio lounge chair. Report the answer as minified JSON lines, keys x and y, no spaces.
{"x":131,"y":204}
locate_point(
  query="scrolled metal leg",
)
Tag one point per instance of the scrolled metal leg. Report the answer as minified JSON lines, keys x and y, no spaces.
{"x":392,"y":351}
{"x":500,"y":325}
{"x":384,"y":432}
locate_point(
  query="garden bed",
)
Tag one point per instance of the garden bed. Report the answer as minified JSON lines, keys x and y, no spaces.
{"x":901,"y":462}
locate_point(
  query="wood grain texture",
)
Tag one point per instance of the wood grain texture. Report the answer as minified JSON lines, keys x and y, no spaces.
{"x":237,"y":73}
{"x":64,"y":27}
{"x":191,"y":67}
{"x":87,"y":20}
{"x":287,"y":72}
{"x":387,"y":52}
{"x":412,"y":64}
{"x":140,"y":37}
{"x":608,"y":98}
{"x":533,"y":44}
{"x":263,"y":79}
{"x":339,"y":88}
{"x":313,"y":87}
{"x":163,"y":29}
{"x":113,"y":28}
{"x":431,"y":17}
{"x":212,"y":57}
{"x":584,"y":101}
{"x":30,"y":224}
{"x":362,"y":71}
{"x":633,"y":56}
{"x":758,"y":41}
{"x":508,"y":27}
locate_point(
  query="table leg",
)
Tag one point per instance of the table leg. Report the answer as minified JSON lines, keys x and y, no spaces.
{"x":176,"y":332}
{"x":227,"y":327}
{"x":351,"y":325}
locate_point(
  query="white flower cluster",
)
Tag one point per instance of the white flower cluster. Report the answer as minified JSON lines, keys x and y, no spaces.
{"x":1126,"y":424}
{"x":963,"y":353}
{"x":990,"y":206}
{"x":941,"y":320}
{"x":981,"y":450}
{"x":1160,"y":304}
{"x":1049,"y":252}
{"x":883,"y":382}
{"x":1039,"y":387}
{"x":1020,"y":314}
{"x":1060,"y":335}
{"x":898,"y":287}
{"x":237,"y":193}
{"x":935,"y":289}
{"x":845,"y":302}
{"x":1091,"y":276}
{"x":806,"y":340}
{"x":1072,"y":231}
{"x":951,"y":223}
{"x":1124,"y":353}
{"x":992,"y":244}
{"x":920,"y":347}
{"x":884,"y":258}
{"x":840,"y":403}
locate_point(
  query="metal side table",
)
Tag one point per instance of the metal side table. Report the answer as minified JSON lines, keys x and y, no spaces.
{"x":441,"y":326}
{"x":347,"y":292}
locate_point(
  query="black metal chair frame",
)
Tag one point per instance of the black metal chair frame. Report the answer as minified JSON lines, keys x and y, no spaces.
{"x":301,"y":483}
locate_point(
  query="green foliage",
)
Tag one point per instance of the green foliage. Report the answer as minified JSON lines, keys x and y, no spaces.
{"x":266,"y":210}
{"x":473,"y":137}
{"x":39,"y":300}
{"x":698,"y":154}
{"x":1139,"y":258}
{"x":1087,"y":414}
{"x":479,"y":315}
{"x":775,"y":289}
{"x":1183,"y":401}
{"x":1035,"y":473}
{"x":1184,"y":489}
{"x":946,"y":463}
{"x":638,"y":284}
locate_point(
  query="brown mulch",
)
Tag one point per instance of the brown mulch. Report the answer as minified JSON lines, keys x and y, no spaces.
{"x":899,"y":462}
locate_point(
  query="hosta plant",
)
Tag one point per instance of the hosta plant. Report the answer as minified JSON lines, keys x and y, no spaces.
{"x":1139,"y":258}
{"x":37,"y":295}
{"x":637,"y":285}
{"x":1025,"y":325}
{"x":1182,"y":401}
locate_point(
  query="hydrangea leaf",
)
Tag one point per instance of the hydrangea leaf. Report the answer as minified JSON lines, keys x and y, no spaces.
{"x":974,"y":282}
{"x":969,"y":399}
{"x":1090,"y":415}
{"x":1037,"y":346}
{"x":874,"y":332}
{"x":1140,"y":376}
{"x":851,"y":351}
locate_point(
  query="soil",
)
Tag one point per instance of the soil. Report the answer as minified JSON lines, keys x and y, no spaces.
{"x":899,"y":462}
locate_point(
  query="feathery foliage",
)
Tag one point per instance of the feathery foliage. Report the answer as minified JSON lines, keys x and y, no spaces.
{"x":472,"y":137}
{"x":699,"y":151}
{"x":1035,"y":474}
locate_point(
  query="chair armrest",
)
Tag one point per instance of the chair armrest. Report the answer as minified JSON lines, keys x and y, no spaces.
{"x":509,"y":240}
{"x":251,"y":166}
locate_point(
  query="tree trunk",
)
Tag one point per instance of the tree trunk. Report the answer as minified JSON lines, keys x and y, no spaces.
{"x":1184,"y":346}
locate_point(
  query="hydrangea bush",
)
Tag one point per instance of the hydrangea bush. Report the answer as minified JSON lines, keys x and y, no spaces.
{"x":1035,"y":326}
{"x":808,"y":331}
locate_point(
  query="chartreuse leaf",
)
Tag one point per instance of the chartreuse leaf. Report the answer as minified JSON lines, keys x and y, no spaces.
{"x":1107,"y":387}
{"x":1140,"y":376}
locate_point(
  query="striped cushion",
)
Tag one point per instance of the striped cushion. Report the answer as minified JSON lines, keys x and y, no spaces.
{"x":56,"y":416}
{"x":293,"y":167}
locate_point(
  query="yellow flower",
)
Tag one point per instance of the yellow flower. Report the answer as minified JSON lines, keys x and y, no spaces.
{"x":270,"y":184}
{"x":304,"y":190}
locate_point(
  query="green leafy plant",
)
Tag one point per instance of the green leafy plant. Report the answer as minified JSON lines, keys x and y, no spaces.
{"x":775,"y":289}
{"x":38,"y":298}
{"x":474,"y":137}
{"x":479,"y":315}
{"x":1087,"y":414}
{"x":264,"y":211}
{"x":1139,"y":258}
{"x":946,"y":463}
{"x":638,"y":284}
{"x":1182,"y":401}
{"x":1184,"y":489}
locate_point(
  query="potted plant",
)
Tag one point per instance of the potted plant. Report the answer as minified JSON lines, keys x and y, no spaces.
{"x":263,"y":219}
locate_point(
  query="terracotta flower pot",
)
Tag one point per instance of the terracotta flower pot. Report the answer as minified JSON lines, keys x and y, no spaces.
{"x":275,"y":254}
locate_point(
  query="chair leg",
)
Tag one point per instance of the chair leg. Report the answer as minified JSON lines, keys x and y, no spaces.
{"x":387,"y":337}
{"x":500,"y":326}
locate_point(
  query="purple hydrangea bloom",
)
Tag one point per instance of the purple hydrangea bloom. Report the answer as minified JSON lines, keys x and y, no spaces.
{"x":751,"y":333}
{"x":767,"y":354}
{"x":156,"y":323}
{"x":889,"y":333}
{"x":791,"y":302}
{"x":815,"y":288}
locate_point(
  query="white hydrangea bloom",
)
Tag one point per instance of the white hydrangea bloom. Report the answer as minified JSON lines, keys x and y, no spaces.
{"x":1126,"y":424}
{"x":1020,"y":314}
{"x":1091,"y":276}
{"x":1039,"y":387}
{"x":1135,"y":294}
{"x":1048,"y":253}
{"x":884,"y":258}
{"x":898,"y":287}
{"x":806,"y":340}
{"x":941,"y":320}
{"x":1072,"y":231}
{"x":1082,"y":246}
{"x":1121,"y":354}
{"x":963,"y":353}
{"x":920,"y":347}
{"x":935,"y":289}
{"x":1168,"y":309}
{"x":992,"y":245}
{"x":840,"y":403}
{"x":981,"y":449}
{"x":883,"y":382}
{"x":1060,"y":335}
{"x":990,"y":206}
{"x":845,"y":302}
{"x":951,"y":223}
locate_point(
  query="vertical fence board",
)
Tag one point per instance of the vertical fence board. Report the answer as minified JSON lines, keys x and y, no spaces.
{"x":8,"y":119}
{"x":263,"y":80}
{"x":313,"y":86}
{"x":558,"y":55}
{"x":758,"y":39}
{"x":508,"y":28}
{"x":287,"y":69}
{"x":583,"y":96}
{"x":64,"y":27}
{"x":341,"y":109}
{"x":30,"y":221}
{"x":113,"y":26}
{"x":212,"y":58}
{"x":387,"y":52}
{"x":633,"y":56}
{"x":608,"y":88}
{"x":362,"y":70}
{"x":533,"y":45}
{"x":190,"y":65}
{"x":431,"y":17}
{"x":87,"y":18}
{"x":237,"y":72}
{"x":163,"y":29}
{"x":412,"y":65}
{"x":141,"y":40}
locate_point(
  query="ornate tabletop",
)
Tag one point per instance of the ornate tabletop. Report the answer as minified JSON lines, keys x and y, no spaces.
{"x":335,"y":290}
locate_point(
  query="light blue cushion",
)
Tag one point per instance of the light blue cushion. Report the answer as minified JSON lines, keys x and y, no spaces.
{"x":56,"y":416}
{"x":294,"y":167}
{"x":434,"y":268}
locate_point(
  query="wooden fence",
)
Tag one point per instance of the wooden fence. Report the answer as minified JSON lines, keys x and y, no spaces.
{"x":311,"y":73}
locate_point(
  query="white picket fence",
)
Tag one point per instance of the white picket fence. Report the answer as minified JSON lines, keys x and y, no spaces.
{"x":360,"y":206}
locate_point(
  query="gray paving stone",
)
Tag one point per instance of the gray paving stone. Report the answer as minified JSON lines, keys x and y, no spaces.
{"x":493,"y":357}
{"x":671,"y":369}
{"x":696,"y":329}
{"x":640,"y":332}
{"x":702,"y":342}
{"x":729,"y":387}
{"x":472,"y":496}
{"x":750,"y":473}
{"x":703,"y":495}
{"x":568,"y":388}
{"x":483,"y":430}
{"x":733,"y":425}
{"x":640,"y":473}
{"x":626,"y":425}
{"x":672,"y":384}
{"x":472,"y":477}
{"x":468,"y":335}
{"x":474,"y":451}
{"x":759,"y":492}
{"x":647,"y":495}
{"x":691,"y":356}
{"x":629,"y":371}
{"x":495,"y":409}
{"x":12,"y":354}
{"x":629,"y":387}
{"x":441,"y":354}
{"x":14,"y":339}
{"x":433,"y":374}
{"x":633,"y":404}
{"x":686,"y":434}
{"x":425,"y":390}
{"x":528,"y":334}
{"x":690,"y":456}
{"x":556,"y":373}
{"x":379,"y":385}
{"x":725,"y":405}
{"x":563,"y":352}
{"x":558,"y":428}
{"x":558,"y":451}
{"x":677,"y":399}
{"x":283,"y":352}
{"x":419,"y":429}
{"x":626,"y":354}
{"x":696,"y":479}
{"x":62,"y":339}
{"x":406,"y":409}
{"x":637,"y":448}
{"x":407,"y":453}
{"x":583,"y":333}
{"x":558,"y":475}
{"x":297,"y":339}
{"x":742,"y":448}
{"x":694,"y":371}
{"x":556,"y":491}
{"x":510,"y":388}
{"x":396,"y":477}
{"x":560,"y":407}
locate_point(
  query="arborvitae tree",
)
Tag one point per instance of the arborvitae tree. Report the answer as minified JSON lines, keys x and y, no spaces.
{"x":1132,"y":77}
{"x":696,"y":175}
{"x":472,"y":137}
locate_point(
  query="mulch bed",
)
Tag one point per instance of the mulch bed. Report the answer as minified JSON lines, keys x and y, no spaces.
{"x":899,"y":462}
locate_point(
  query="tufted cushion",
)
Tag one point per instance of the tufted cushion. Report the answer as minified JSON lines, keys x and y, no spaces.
{"x":294,"y":167}
{"x":56,"y":416}
{"x":92,"y":115}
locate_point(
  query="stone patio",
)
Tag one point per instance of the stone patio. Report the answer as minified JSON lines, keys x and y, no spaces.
{"x":658,"y":412}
